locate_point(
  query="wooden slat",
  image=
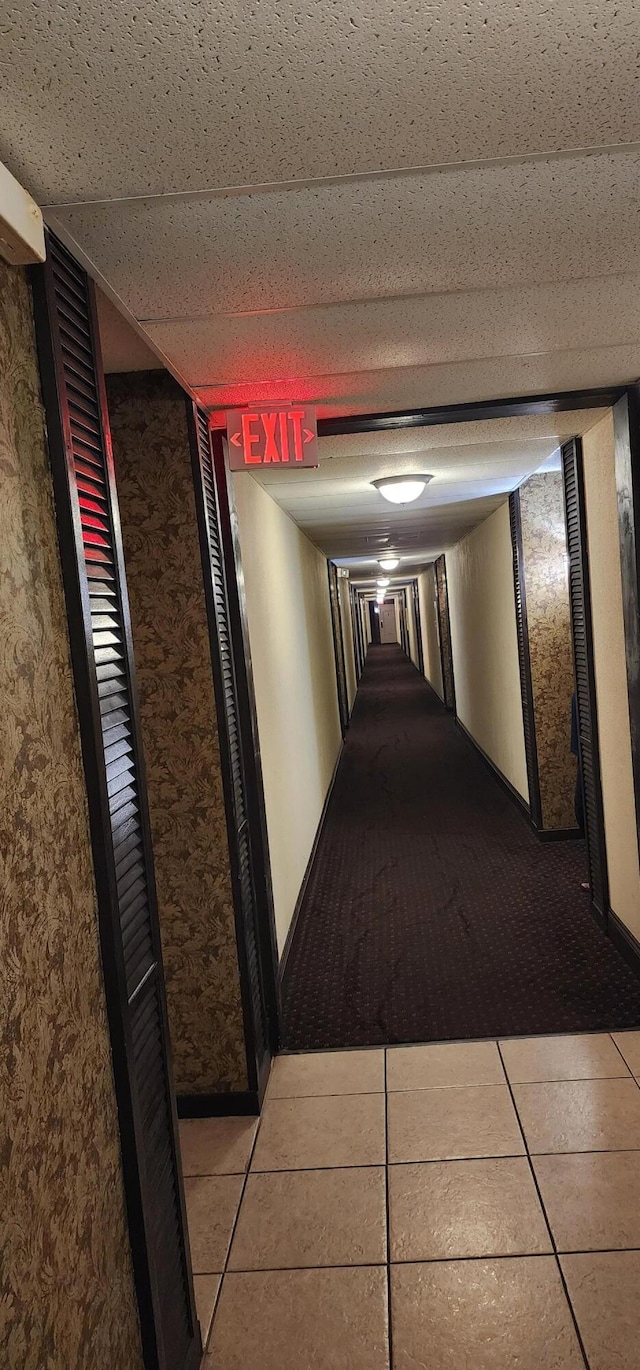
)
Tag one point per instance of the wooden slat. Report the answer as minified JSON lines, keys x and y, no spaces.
{"x":232,"y":738}
{"x":586,"y":701}
{"x":95,"y":586}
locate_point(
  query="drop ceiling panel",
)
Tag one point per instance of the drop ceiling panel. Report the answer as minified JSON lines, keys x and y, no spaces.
{"x":338,"y":474}
{"x":405,"y":522}
{"x":367,"y":567}
{"x":433,"y":329}
{"x":458,"y":383}
{"x":103,"y":100}
{"x":366,"y":509}
{"x":513,"y":224}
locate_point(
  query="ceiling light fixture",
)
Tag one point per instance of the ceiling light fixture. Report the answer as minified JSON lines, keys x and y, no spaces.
{"x":383,"y":582}
{"x":401,"y":489}
{"x":389,"y":563}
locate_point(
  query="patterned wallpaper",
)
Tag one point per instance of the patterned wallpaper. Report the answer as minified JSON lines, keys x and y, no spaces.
{"x":179,"y":731}
{"x":547,"y":590}
{"x":67,"y":1300}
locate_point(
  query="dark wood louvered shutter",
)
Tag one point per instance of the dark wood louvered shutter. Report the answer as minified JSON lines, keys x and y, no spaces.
{"x":100,"y":636}
{"x":338,"y":646}
{"x":524,"y":661}
{"x":240,"y":759}
{"x":444,"y":629}
{"x":404,"y":630}
{"x":417,"y":619}
{"x":356,"y":618}
{"x":580,"y":600}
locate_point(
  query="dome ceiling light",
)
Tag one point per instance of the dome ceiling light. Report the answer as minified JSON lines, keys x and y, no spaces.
{"x":388,"y":563}
{"x":401,"y":489}
{"x":383,"y":582}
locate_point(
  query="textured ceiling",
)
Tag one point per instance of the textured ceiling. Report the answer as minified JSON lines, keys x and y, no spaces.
{"x":377,"y":206}
{"x":460,"y":326}
{"x":474,"y":466}
{"x":556,"y":219}
{"x":102,"y":100}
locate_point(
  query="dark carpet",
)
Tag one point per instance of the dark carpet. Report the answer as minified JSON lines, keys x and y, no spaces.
{"x":432,"y":911}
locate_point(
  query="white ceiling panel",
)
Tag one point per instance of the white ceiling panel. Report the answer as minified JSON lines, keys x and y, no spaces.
{"x":104,"y":100}
{"x":458,"y":383}
{"x":354,"y":472}
{"x":430,"y":330}
{"x":506,"y":261}
{"x":514,"y":224}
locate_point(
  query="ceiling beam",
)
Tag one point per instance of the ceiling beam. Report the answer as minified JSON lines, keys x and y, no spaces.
{"x":602,"y":398}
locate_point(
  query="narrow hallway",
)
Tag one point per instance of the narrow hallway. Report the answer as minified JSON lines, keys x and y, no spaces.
{"x":432,"y":911}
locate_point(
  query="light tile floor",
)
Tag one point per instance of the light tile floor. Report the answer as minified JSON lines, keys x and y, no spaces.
{"x":471,"y":1206}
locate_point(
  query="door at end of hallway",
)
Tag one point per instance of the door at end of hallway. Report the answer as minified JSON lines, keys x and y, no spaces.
{"x":388,"y":625}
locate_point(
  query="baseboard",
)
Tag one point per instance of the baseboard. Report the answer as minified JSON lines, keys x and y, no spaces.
{"x":243,"y":1103}
{"x":624,"y":940}
{"x":558,"y":834}
{"x":305,"y":879}
{"x":509,"y":789}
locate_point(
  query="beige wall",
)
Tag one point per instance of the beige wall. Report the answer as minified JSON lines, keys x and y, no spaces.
{"x":546,"y":585}
{"x":610,"y":671}
{"x":179,"y":731}
{"x":347,"y":638}
{"x":68,"y":1300}
{"x":485,"y":645}
{"x":430,"y":637}
{"x":295,"y":683}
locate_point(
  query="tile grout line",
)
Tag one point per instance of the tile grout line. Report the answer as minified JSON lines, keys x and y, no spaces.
{"x":624,"y":1059}
{"x":388,"y":1225}
{"x":233,"y":1233}
{"x":483,"y":1084}
{"x":545,"y":1215}
{"x":504,"y":1257}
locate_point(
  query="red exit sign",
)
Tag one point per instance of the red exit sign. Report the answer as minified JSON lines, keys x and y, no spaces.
{"x":272,"y":435}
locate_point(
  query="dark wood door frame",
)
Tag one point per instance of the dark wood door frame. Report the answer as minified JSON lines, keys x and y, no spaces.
{"x":240,"y":758}
{"x":106,"y":694}
{"x":508,"y":407}
{"x":626,"y":427}
{"x":417,"y":621}
{"x":524,"y":662}
{"x":356,"y":617}
{"x":626,"y":420}
{"x":404,"y":624}
{"x":249,"y":716}
{"x":338,"y":646}
{"x":374,"y":622}
{"x":444,"y":633}
{"x":584,"y":670}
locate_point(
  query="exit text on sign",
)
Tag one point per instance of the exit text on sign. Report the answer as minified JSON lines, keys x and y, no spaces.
{"x":269,"y":436}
